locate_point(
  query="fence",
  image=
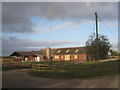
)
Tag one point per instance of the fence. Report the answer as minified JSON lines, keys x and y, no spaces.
{"x":15,"y":65}
{"x":43,"y":66}
{"x":39,"y":67}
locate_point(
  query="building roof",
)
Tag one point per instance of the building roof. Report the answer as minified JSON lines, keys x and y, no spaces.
{"x":54,"y":51}
{"x":22,"y":53}
{"x":73,"y":50}
{"x":37,"y":52}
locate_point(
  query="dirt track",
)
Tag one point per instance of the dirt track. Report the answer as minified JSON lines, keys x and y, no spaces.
{"x":20,"y":79}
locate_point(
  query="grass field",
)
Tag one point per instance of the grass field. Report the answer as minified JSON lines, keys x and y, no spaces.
{"x":85,"y":70}
{"x":16,"y":65}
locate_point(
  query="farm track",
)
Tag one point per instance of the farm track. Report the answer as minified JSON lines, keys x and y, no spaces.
{"x":20,"y":79}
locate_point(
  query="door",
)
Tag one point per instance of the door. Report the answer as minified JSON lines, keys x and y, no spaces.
{"x":25,"y":58}
{"x":38,"y":58}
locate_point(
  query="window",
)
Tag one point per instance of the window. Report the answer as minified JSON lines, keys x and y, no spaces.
{"x":56,"y":57}
{"x":58,"y":51}
{"x":76,"y":50}
{"x":84,"y":56}
{"x":67,"y":57}
{"x":62,"y":57}
{"x":75,"y":56}
{"x":67,"y":51}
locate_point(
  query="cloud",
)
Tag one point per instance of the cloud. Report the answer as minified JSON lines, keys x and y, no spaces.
{"x":115,"y":46}
{"x":16,"y":19}
{"x":14,"y":24}
{"x":61,"y":26}
{"x":16,"y":15}
{"x":61,"y":0}
{"x":13,"y":38}
{"x":14,"y":43}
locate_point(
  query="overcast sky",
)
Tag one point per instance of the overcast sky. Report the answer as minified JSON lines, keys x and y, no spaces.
{"x":36,"y":25}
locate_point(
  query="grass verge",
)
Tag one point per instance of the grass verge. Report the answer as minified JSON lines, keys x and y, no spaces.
{"x":79,"y":71}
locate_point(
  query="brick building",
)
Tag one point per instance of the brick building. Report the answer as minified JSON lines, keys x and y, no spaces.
{"x":55,"y":54}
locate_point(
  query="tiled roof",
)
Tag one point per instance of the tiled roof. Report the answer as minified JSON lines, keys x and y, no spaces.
{"x":80,"y":50}
{"x":22,"y":53}
{"x":54,"y":51}
{"x":37,"y":52}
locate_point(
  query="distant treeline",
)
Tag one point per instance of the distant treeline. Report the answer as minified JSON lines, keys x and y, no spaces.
{"x":114,"y":53}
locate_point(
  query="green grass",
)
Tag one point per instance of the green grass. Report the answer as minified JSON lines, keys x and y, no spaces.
{"x":86,"y":70}
{"x":15,"y":66}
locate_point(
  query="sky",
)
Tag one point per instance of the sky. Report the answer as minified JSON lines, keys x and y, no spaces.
{"x":30,"y":26}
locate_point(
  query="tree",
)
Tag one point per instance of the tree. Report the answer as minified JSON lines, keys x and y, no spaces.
{"x":103,"y":47}
{"x":114,"y":53}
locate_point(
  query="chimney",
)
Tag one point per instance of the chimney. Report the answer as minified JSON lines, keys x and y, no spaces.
{"x":48,"y":52}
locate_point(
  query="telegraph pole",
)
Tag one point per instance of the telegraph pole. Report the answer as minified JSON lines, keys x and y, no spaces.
{"x":97,"y":47}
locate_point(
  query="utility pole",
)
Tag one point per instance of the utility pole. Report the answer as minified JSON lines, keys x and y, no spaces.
{"x":97,"y":47}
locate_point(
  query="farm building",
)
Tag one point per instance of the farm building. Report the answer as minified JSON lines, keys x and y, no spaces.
{"x":55,"y":54}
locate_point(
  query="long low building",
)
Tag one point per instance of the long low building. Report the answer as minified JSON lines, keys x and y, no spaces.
{"x":54,"y":54}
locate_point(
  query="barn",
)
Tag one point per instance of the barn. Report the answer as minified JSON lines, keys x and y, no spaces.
{"x":55,"y":54}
